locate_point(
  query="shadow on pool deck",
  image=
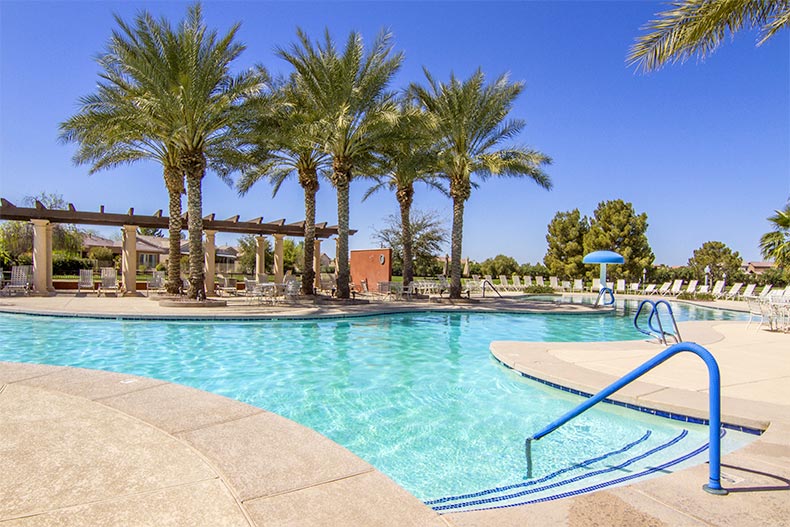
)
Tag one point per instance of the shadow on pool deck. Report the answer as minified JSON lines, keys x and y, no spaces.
{"x":82,"y":447}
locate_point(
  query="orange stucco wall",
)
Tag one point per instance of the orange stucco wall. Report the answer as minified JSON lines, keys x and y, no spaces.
{"x":366,"y":265}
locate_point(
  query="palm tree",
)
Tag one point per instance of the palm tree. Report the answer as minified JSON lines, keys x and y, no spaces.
{"x":471,"y":122}
{"x":348,"y":92}
{"x":776,"y":244}
{"x":282,"y":134}
{"x":697,"y":27}
{"x":111,"y":131}
{"x":408,"y":157}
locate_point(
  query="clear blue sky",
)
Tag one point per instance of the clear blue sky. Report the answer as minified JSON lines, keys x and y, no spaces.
{"x":703,"y":148}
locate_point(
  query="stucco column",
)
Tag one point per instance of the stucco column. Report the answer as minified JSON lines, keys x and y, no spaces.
{"x":129,"y":260}
{"x":50,"y":287}
{"x":260,"y":255}
{"x":317,"y":264}
{"x":279,"y":271}
{"x":210,"y":254}
{"x":40,"y":257}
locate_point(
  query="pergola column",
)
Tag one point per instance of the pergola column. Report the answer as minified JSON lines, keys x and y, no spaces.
{"x":50,"y":287}
{"x":317,"y":263}
{"x":41,"y":258}
{"x":129,"y":260}
{"x":279,"y":271}
{"x":260,"y":255}
{"x":210,"y":255}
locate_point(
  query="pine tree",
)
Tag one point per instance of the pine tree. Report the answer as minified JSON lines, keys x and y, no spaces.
{"x":566,"y":244}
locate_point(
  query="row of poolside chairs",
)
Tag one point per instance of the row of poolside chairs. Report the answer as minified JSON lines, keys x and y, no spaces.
{"x":773,"y":309}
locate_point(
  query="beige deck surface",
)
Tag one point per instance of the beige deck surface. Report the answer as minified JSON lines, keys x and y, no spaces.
{"x":81,"y":447}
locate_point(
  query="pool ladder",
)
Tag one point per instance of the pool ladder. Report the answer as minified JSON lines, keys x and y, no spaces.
{"x":607,"y":301}
{"x":714,"y":409}
{"x":653,"y":331}
{"x":490,"y":285}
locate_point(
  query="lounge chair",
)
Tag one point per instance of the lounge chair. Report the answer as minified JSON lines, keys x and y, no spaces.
{"x":633,"y":288}
{"x":527,"y":281}
{"x":554,"y":283}
{"x":20,"y":280}
{"x":703,"y":289}
{"x":650,"y":289}
{"x":676,"y":288}
{"x":733,"y":292}
{"x":517,"y":286}
{"x":749,"y":291}
{"x":226,"y":285}
{"x":620,"y":286}
{"x":566,"y":285}
{"x":578,"y":285}
{"x":717,"y":287}
{"x":765,"y":290}
{"x":664,"y":289}
{"x":539,"y":281}
{"x":109,"y":280}
{"x":156,"y":283}
{"x":85,"y":281}
{"x":504,"y":283}
{"x":692,"y":287}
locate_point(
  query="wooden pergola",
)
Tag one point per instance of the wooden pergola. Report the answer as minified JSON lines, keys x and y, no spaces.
{"x":44,"y":218}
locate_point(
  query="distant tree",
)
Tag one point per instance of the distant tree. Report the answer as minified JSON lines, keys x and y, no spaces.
{"x":16,"y":237}
{"x":566,"y":244}
{"x":775,"y":245}
{"x":499,"y":264}
{"x":293,"y":256}
{"x":103,"y":254}
{"x":248,"y":250}
{"x":721,"y":260}
{"x":533,"y":270}
{"x":151,"y":231}
{"x":429,"y":237}
{"x":697,"y":27}
{"x":616,"y":227}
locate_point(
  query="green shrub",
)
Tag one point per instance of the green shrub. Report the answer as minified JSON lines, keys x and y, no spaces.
{"x":24,"y":259}
{"x":539,"y":290}
{"x":161,"y":267}
{"x":695,"y":296}
{"x":104,"y":254}
{"x":69,"y":265}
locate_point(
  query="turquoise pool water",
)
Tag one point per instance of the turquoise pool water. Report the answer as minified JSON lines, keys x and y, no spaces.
{"x":417,"y":395}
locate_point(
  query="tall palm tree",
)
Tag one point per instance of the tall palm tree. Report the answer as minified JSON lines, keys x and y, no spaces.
{"x":471,"y":119}
{"x":111,"y":131}
{"x":697,"y":27}
{"x":282,"y":132}
{"x":348,"y":91}
{"x":776,"y":244}
{"x":407,"y":158}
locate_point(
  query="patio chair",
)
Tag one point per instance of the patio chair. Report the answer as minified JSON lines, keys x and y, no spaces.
{"x":650,"y":289}
{"x":595,"y":286}
{"x":703,"y":289}
{"x":676,"y":288}
{"x":527,"y":281}
{"x":620,"y":286}
{"x":565,"y":285}
{"x":578,"y":285}
{"x":554,"y":282}
{"x":156,"y":283}
{"x":517,"y":285}
{"x":717,"y":287}
{"x":109,"y":280}
{"x":664,"y":289}
{"x":749,"y":291}
{"x":226,"y":285}
{"x":765,"y":290}
{"x":691,"y":287}
{"x":733,"y":292}
{"x":20,"y":281}
{"x":85,"y":281}
{"x":633,"y":288}
{"x":539,"y":281}
{"x":504,"y":283}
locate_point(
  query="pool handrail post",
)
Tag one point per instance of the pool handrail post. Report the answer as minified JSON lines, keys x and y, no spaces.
{"x":714,"y":401}
{"x":603,"y":291}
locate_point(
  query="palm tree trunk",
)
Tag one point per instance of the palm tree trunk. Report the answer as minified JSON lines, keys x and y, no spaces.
{"x":405,"y":197}
{"x":455,"y":252}
{"x":310,"y":186}
{"x":174,"y":181}
{"x":341,"y":178}
{"x":195,"y":168}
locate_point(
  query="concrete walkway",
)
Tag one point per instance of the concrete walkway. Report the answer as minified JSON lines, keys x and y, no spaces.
{"x":81,"y":447}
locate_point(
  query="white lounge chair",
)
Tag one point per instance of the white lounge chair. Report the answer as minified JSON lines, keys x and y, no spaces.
{"x":156,"y":283}
{"x":733,"y":292}
{"x":539,"y":281}
{"x":109,"y":280}
{"x":664,"y":289}
{"x":692,"y":287}
{"x":20,"y":280}
{"x":85,"y":281}
{"x":676,"y":288}
{"x":620,"y":286}
{"x":527,"y":281}
{"x":703,"y":289}
{"x":566,"y":285}
{"x":765,"y":290}
{"x":596,"y":285}
{"x":578,"y":285}
{"x":517,"y":285}
{"x":717,"y":287}
{"x":504,"y":283}
{"x":749,"y":291}
{"x":554,"y":283}
{"x":650,"y":289}
{"x":633,"y":288}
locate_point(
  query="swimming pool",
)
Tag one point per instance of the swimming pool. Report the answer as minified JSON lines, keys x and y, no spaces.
{"x":417,"y":395}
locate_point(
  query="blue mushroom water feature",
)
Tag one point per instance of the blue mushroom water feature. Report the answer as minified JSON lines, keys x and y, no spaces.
{"x":603,"y":258}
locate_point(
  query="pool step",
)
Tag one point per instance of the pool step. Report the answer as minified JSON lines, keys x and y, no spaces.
{"x":635,"y":460}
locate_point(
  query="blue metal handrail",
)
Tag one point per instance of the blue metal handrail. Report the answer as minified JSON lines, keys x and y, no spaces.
{"x":601,"y":293}
{"x":659,"y":332}
{"x":714,"y":400}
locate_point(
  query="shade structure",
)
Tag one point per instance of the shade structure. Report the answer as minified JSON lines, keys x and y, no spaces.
{"x":603,"y":258}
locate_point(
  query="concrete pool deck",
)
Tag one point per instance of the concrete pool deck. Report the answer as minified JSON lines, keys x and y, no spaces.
{"x":86,"y":447}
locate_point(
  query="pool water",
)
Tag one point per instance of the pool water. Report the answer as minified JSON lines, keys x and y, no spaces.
{"x":417,"y":395}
